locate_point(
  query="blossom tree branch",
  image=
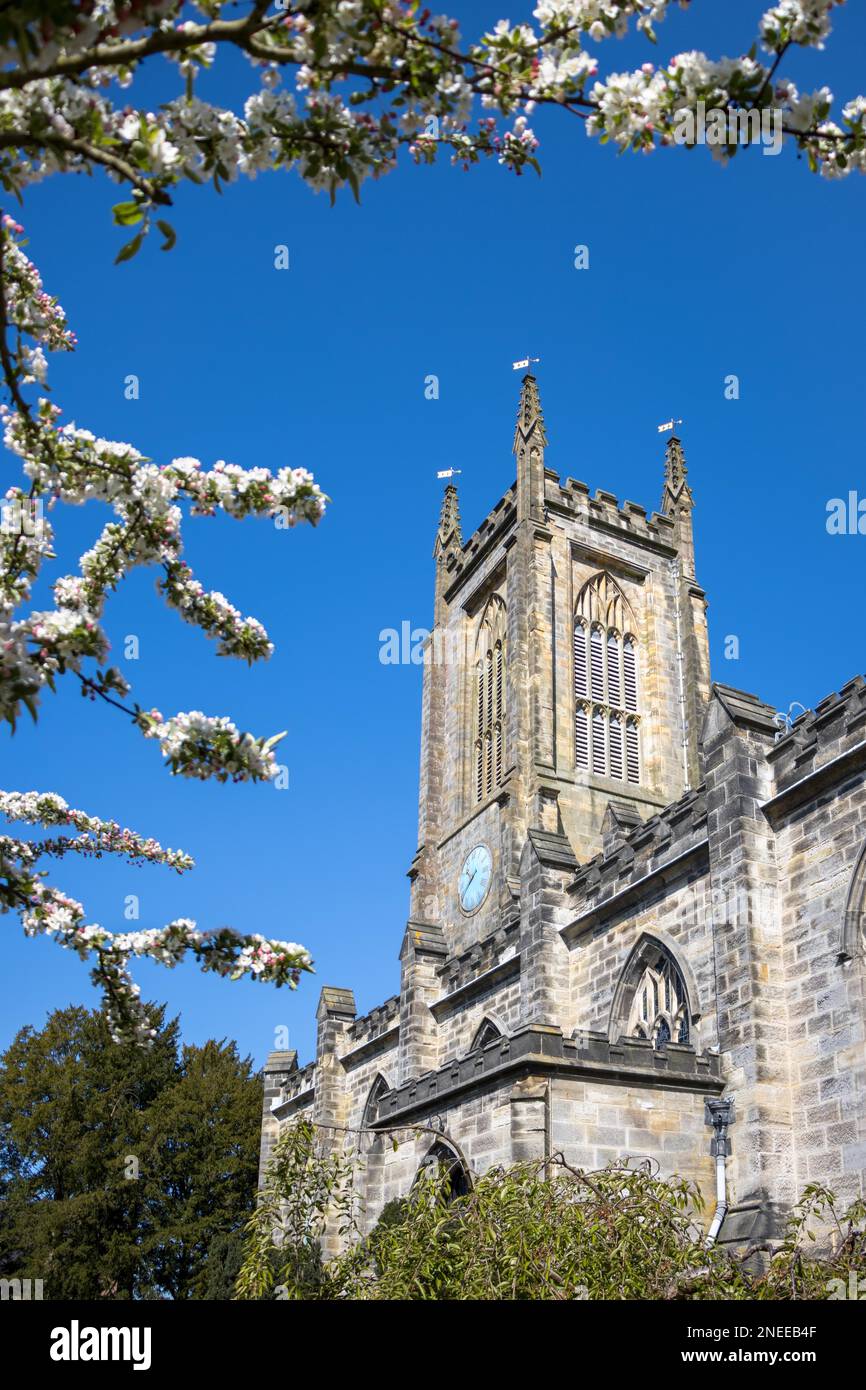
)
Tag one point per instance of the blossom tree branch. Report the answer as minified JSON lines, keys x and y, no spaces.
{"x":68,"y":464}
{"x":47,"y":911}
{"x":371,"y":77}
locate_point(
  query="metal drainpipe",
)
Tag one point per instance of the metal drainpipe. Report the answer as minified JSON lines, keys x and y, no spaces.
{"x":548,"y":1106}
{"x":721,"y":1200}
{"x":720,"y":1114}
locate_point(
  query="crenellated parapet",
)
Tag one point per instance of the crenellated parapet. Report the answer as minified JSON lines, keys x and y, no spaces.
{"x":824,"y":745}
{"x":660,"y":849}
{"x":381,"y":1019}
{"x":604,"y":512}
{"x":459,"y":565}
{"x":298,"y":1083}
{"x":601,"y":511}
{"x":461,"y":972}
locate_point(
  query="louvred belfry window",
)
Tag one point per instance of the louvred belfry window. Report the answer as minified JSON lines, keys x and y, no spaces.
{"x":632,"y":751}
{"x":613,"y":670}
{"x":606,"y":694}
{"x":599,"y":751}
{"x":580,"y":660}
{"x":581,"y":735}
{"x":615,"y":745}
{"x":596,"y":647}
{"x":629,"y":658}
{"x":490,"y":693}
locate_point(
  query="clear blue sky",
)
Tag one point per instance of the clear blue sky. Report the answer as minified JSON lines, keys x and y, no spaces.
{"x":695,"y":272}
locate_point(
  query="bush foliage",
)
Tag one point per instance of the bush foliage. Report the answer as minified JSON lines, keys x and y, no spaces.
{"x":541,"y":1230}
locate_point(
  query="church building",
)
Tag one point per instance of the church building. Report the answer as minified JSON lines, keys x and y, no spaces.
{"x":637,"y":903}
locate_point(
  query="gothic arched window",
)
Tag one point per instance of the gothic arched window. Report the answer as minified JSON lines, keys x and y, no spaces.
{"x":853,"y":937}
{"x":442,"y":1160}
{"x":660,"y":1006}
{"x":606,"y":710}
{"x":378,"y":1089}
{"x":489,"y":740}
{"x":486,"y":1033}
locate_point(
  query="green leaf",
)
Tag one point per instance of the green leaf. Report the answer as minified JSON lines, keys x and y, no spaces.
{"x":131,"y":249}
{"x":127,"y":214}
{"x":168,"y":232}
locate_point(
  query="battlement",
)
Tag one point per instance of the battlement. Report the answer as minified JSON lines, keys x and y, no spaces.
{"x":829,"y":737}
{"x":296,"y":1083}
{"x":655,"y":846}
{"x":604,"y":510}
{"x":379,"y":1020}
{"x":460,"y":971}
{"x":493,"y":527}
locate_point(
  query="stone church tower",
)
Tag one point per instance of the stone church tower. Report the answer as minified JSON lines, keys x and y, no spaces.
{"x":636,"y":917}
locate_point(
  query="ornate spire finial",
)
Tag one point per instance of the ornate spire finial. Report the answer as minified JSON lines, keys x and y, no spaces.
{"x":449,"y":536}
{"x":677,"y":492}
{"x":530,"y":420}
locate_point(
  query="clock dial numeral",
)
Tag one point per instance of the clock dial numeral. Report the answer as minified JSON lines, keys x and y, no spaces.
{"x":475,"y":878}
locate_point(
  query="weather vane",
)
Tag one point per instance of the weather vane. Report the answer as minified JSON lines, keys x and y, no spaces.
{"x":448,"y":472}
{"x":524,"y":362}
{"x":668,"y":425}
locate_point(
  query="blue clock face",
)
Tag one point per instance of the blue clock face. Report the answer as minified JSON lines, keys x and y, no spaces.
{"x":475,"y":878}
